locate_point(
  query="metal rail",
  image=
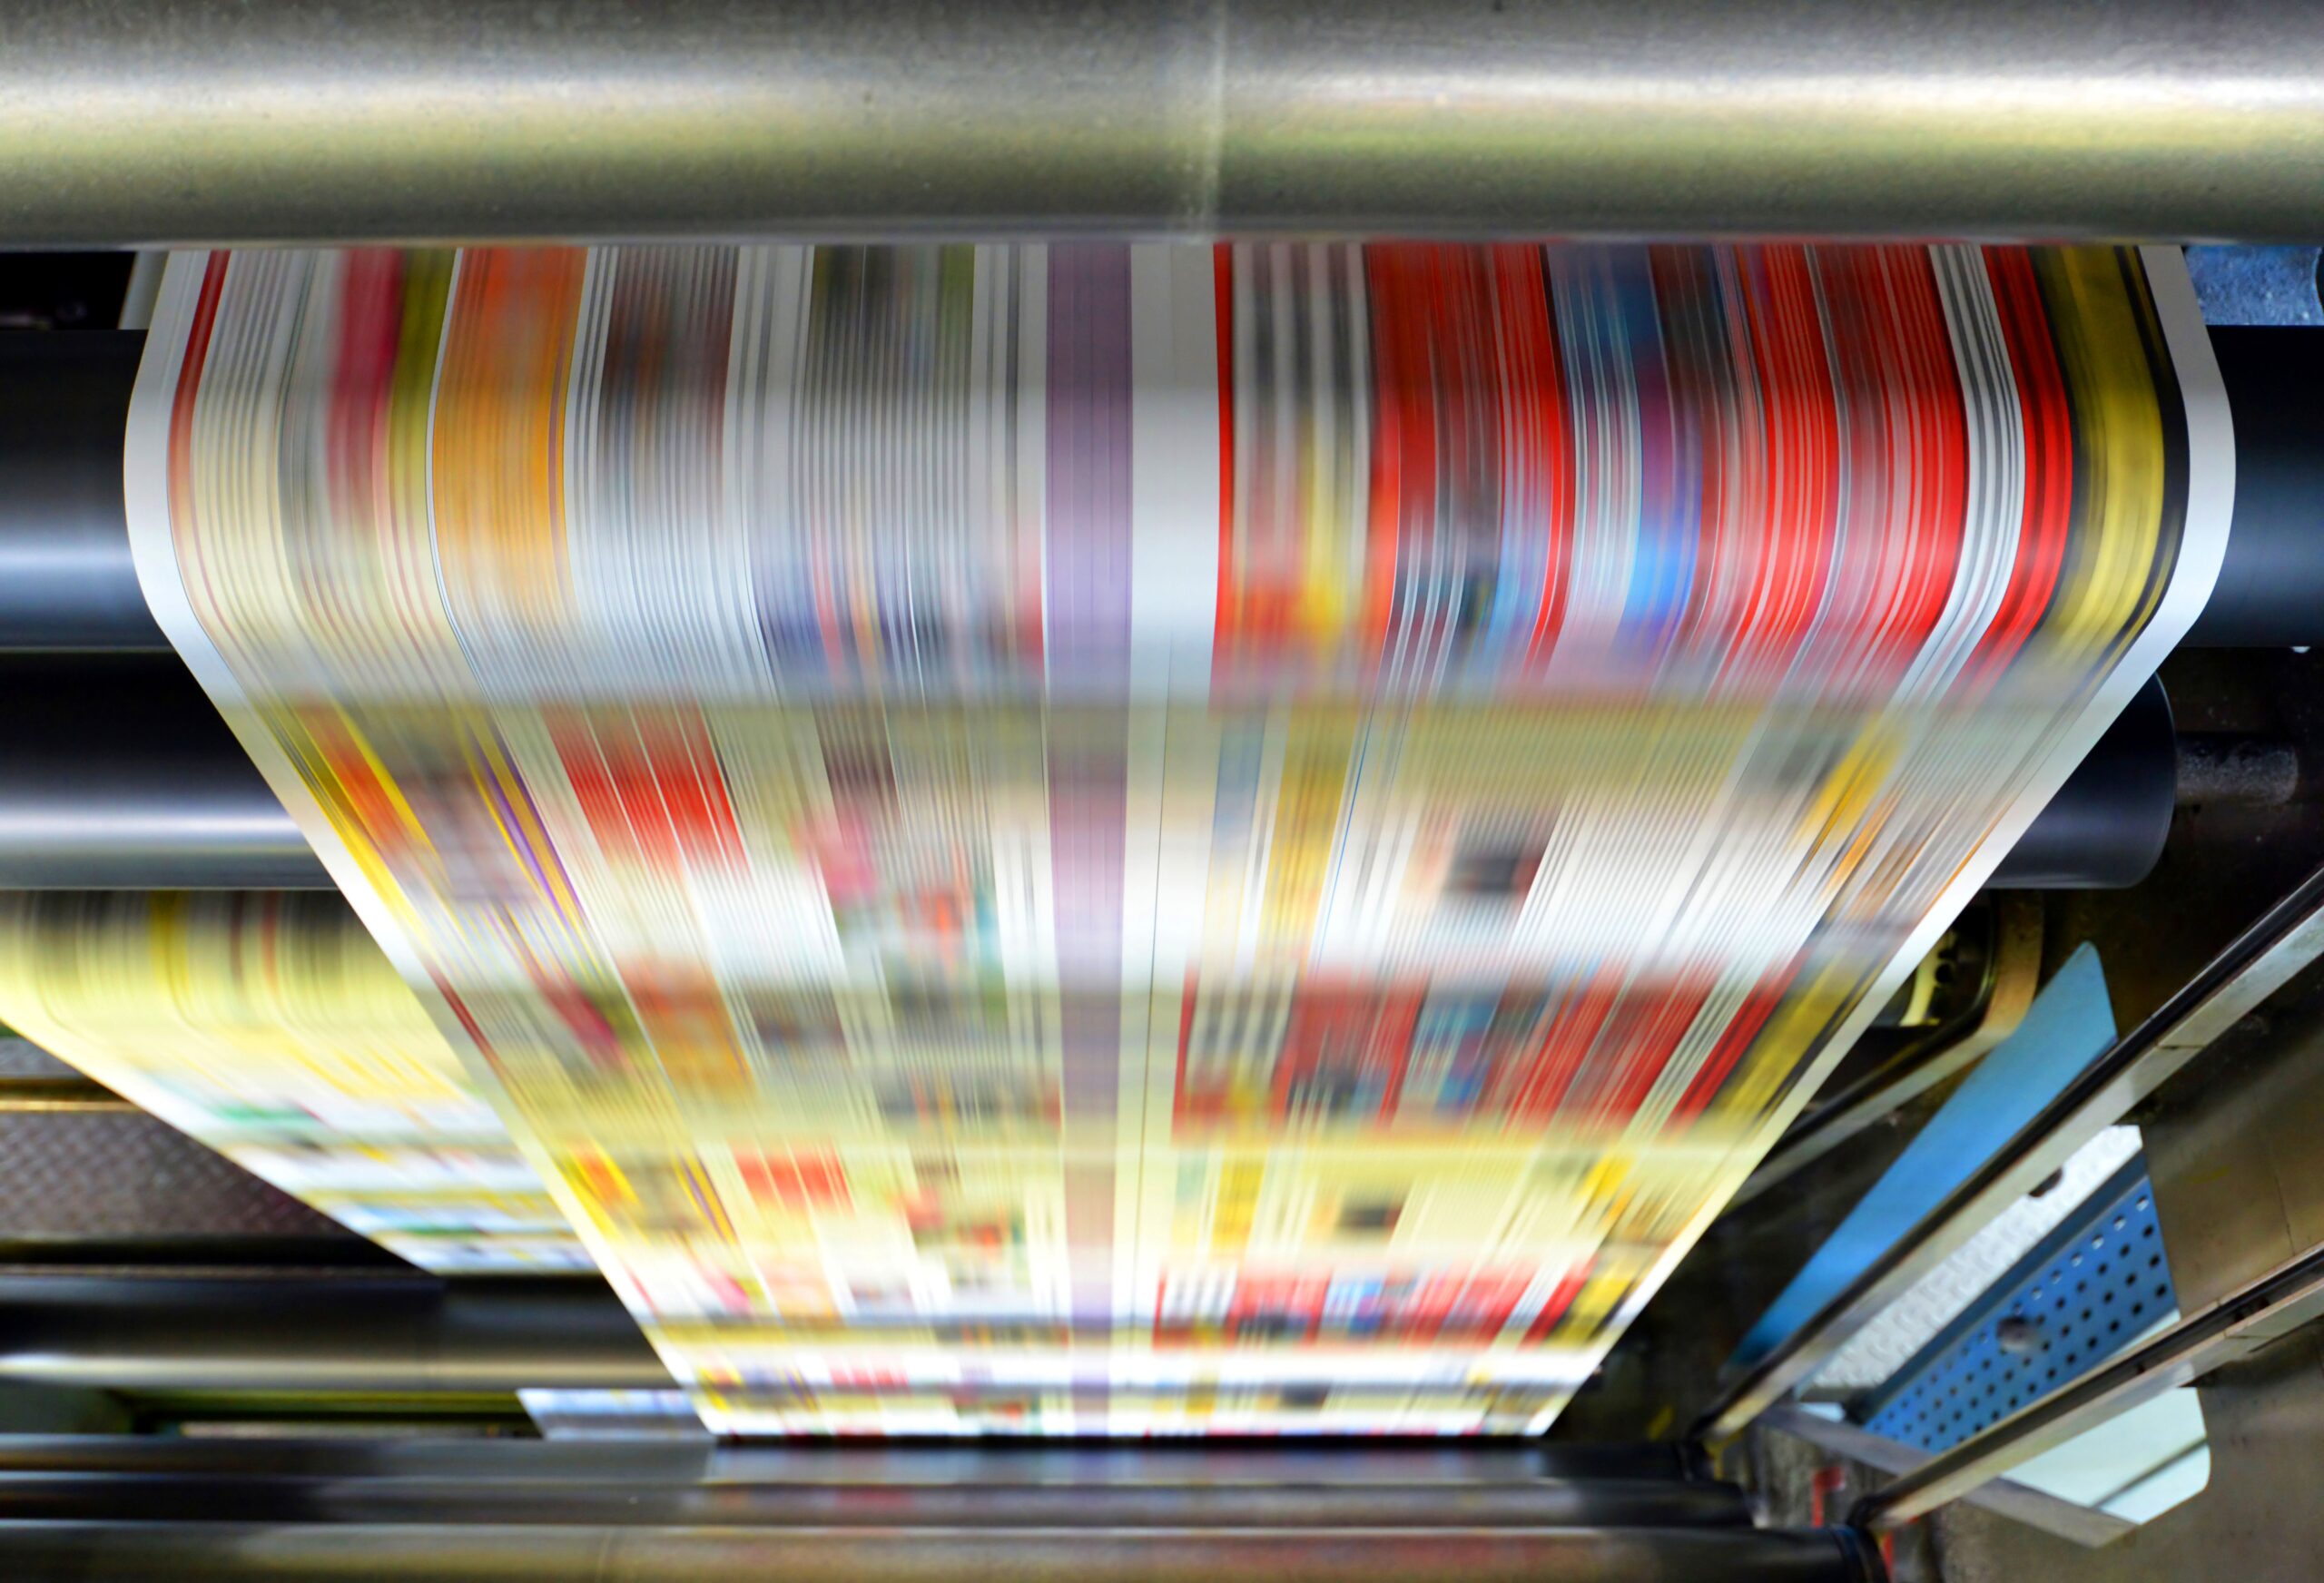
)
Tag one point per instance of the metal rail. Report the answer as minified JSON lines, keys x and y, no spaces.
{"x":904,"y":1466}
{"x":702,"y":1552}
{"x":2253,"y":966}
{"x":141,"y":122}
{"x":39,"y":1095}
{"x":363,"y":1331}
{"x":2235,"y":1326}
{"x":2038,"y":1509}
{"x":135,"y":1505}
{"x":544,"y":1491}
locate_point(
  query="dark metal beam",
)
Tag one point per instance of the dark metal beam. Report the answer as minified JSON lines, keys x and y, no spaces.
{"x":546,"y":1495}
{"x":903,"y":1466}
{"x":637,"y":1554}
{"x":363,"y":1331}
{"x":1087,"y":1510}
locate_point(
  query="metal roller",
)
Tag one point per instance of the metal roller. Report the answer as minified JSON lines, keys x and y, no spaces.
{"x":2106,"y":826}
{"x":642,"y":1483}
{"x":105,"y":1506}
{"x":108,"y":1549}
{"x":2268,"y":594}
{"x":165,"y":121}
{"x":66,"y":581}
{"x":363,"y":1331}
{"x":1124,"y":1465}
{"x":120,"y":775}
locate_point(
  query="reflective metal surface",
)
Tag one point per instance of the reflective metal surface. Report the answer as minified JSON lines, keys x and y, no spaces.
{"x":360,"y":1332}
{"x":105,"y":1506}
{"x":2019,"y":1503}
{"x":471,"y":1553}
{"x":178,"y":121}
{"x":2235,"y":1326}
{"x":119,"y":774}
{"x":900,"y":1466}
{"x":2254,"y":966}
{"x":65,"y":578}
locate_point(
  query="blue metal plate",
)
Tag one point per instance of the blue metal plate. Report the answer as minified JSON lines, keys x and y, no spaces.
{"x":2095,"y":1284}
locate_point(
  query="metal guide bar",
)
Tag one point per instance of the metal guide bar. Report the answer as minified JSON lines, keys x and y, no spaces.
{"x":2236,"y":1326}
{"x":2258,"y":962}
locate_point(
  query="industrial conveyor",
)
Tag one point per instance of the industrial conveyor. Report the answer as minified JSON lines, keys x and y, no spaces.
{"x":226,"y":1386}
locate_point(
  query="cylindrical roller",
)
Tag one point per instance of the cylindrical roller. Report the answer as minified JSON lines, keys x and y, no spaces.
{"x":118,"y":775}
{"x":65,"y":578}
{"x":2106,"y":826}
{"x":121,"y":776}
{"x":2268,"y":594}
{"x":652,"y":1483}
{"x":100,"y":1548}
{"x":66,"y":581}
{"x":358,"y":1333}
{"x":1371,"y":1464}
{"x":178,"y":121}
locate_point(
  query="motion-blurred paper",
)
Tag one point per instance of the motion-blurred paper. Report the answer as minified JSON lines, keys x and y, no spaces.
{"x":1105,"y":839}
{"x":271,"y":1027}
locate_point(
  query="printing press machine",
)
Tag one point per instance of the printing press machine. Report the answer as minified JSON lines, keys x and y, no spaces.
{"x":201,"y":1377}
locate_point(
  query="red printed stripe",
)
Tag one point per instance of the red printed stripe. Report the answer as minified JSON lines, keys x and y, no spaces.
{"x":1535,"y":450}
{"x":2049,"y":456}
{"x":1802,"y":450}
{"x":1741,"y":1032}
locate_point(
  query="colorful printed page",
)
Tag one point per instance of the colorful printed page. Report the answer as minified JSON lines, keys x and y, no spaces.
{"x":1108,"y":840}
{"x":271,"y":1028}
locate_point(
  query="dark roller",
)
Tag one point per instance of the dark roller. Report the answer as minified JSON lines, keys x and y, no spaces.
{"x":364,"y":1330}
{"x":65,"y":578}
{"x":2106,"y":826}
{"x":702,"y":1553}
{"x":66,"y":581}
{"x":2270,"y":591}
{"x":117,"y":774}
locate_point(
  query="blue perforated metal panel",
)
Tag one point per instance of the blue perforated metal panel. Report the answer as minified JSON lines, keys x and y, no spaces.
{"x":2092,"y":1286}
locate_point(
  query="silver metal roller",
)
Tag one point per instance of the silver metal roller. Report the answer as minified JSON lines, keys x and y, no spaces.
{"x":203,"y":120}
